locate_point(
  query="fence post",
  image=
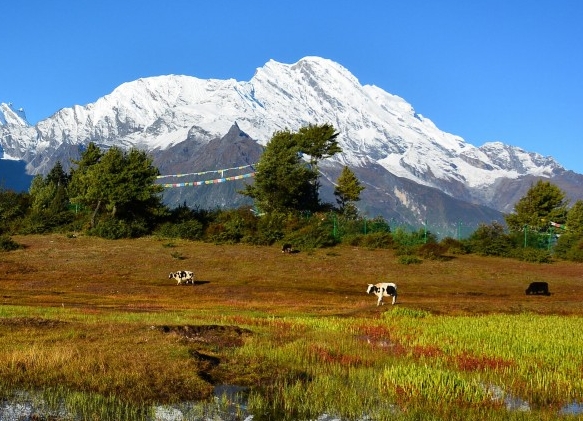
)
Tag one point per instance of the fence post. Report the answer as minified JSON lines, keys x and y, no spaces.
{"x":551,"y":232}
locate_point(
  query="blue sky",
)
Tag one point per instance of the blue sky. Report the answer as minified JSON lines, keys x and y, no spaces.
{"x":496,"y":70}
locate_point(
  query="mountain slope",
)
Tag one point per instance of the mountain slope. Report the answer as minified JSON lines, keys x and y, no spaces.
{"x":382,"y":137}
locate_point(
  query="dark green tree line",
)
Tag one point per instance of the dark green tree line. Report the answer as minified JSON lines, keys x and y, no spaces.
{"x":117,"y":184}
{"x":115,"y":195}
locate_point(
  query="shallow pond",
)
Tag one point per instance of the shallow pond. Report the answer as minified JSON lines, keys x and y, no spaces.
{"x":228,"y":404}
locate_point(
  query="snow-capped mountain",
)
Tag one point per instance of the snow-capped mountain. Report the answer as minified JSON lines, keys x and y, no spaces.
{"x":388,"y":145}
{"x":8,"y":115}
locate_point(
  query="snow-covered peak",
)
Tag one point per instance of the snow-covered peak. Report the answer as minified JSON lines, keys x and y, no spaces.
{"x":375,"y":126}
{"x":514,"y":158}
{"x":11,"y":116}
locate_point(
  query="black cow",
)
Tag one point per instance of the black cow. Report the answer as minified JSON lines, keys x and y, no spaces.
{"x":538,"y":288}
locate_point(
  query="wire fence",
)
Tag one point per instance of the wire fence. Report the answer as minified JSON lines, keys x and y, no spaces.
{"x":458,"y":230}
{"x":539,"y":238}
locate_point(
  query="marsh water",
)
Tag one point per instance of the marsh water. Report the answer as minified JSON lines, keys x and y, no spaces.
{"x":228,"y":404}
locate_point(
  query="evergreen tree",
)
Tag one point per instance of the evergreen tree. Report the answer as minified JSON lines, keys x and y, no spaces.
{"x":575,"y":219}
{"x":543,"y":203}
{"x":319,"y":142}
{"x":50,"y":193}
{"x":80,"y":179}
{"x":89,"y":157}
{"x":347,"y":191}
{"x":284,"y":182}
{"x":58,"y":176}
{"x":570,"y":243}
{"x":13,"y":206}
{"x":118,"y":183}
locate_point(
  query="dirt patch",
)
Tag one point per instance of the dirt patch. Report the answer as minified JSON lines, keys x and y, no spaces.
{"x":217,"y":335}
{"x":37,"y":322}
{"x":206,"y":343}
{"x":9,"y":268}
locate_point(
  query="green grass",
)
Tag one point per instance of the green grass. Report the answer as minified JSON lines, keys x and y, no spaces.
{"x":98,"y":325}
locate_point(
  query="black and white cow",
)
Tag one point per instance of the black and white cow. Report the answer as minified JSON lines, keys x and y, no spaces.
{"x":384,"y":289}
{"x":182,"y":276}
{"x":287,"y":248}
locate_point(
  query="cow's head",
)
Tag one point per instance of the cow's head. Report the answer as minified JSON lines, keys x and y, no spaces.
{"x":171,"y":275}
{"x":371,"y":288}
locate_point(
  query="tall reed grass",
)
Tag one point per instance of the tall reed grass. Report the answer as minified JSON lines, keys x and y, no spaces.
{"x":408,"y":362}
{"x":399,"y":366}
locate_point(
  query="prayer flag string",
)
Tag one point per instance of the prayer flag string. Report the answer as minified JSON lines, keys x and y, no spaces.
{"x":215,"y":181}
{"x":222,"y":171}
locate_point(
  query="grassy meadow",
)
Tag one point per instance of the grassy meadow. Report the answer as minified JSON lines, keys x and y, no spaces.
{"x":97,"y":326}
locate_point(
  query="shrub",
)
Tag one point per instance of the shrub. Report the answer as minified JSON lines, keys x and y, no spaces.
{"x":575,"y":253}
{"x":415,"y":238}
{"x":311,"y":237}
{"x":532,"y":255}
{"x":490,"y":240}
{"x":408,"y":259}
{"x":8,"y":244}
{"x":378,"y":224}
{"x":188,"y":230}
{"x":232,"y":226}
{"x":114,"y":229}
{"x":218,"y":234}
{"x":375,"y":240}
{"x":271,"y":228}
{"x":354,"y":240}
{"x":378,"y":240}
{"x":569,"y":247}
{"x":432,"y":251}
{"x":454,"y":246}
{"x":45,"y":221}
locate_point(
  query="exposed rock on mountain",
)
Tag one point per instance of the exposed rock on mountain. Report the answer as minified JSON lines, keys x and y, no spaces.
{"x":412,"y":171}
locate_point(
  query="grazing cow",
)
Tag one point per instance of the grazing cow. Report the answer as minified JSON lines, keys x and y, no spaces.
{"x":287,"y":248}
{"x":182,"y":276}
{"x":384,"y":289}
{"x":538,"y":288}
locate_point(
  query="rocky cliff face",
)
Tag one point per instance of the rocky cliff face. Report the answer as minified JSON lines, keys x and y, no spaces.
{"x":411,"y":169}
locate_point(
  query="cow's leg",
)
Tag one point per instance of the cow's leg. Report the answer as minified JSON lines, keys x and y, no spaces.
{"x":380,"y":300}
{"x":394,"y":299}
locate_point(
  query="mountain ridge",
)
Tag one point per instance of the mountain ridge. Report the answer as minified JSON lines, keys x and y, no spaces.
{"x":376,"y":129}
